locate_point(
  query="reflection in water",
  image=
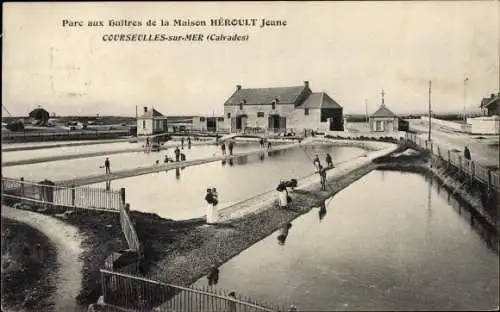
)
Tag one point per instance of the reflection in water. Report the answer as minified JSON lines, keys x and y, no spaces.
{"x":213,"y":276}
{"x":380,"y":252}
{"x":242,"y":160}
{"x":231,"y":163}
{"x":177,"y":173}
{"x":322,"y":211}
{"x":108,"y":185}
{"x":284,"y":233}
{"x":223,"y":162}
{"x":261,"y":155}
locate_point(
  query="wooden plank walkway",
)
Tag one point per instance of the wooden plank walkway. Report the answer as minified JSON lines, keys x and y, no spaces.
{"x":162,"y":167}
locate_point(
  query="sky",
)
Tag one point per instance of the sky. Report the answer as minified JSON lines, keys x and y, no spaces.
{"x":350,"y":50}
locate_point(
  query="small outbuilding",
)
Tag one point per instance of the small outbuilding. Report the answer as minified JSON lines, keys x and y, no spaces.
{"x":384,"y":120}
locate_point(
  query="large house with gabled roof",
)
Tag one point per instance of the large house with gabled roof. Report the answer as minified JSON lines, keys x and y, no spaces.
{"x":279,"y":109}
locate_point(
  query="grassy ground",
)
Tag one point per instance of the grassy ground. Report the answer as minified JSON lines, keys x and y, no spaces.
{"x":28,"y":271}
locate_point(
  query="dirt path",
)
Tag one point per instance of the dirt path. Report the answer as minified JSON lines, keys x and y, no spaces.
{"x":67,"y":241}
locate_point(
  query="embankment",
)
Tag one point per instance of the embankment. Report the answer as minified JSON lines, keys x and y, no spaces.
{"x":29,"y":267}
{"x":67,"y":241}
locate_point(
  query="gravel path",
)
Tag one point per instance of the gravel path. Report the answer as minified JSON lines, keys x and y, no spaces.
{"x":67,"y":241}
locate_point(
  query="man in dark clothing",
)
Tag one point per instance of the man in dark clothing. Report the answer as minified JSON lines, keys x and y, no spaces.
{"x":107,"y":165}
{"x":182,"y":142}
{"x":328,"y":160}
{"x":261,"y":143}
{"x":466,"y":153}
{"x":268,"y":145}
{"x":223,"y":148}
{"x":189,"y":142}
{"x":231,"y":146}
{"x":183,"y":157}
{"x":177,"y":153}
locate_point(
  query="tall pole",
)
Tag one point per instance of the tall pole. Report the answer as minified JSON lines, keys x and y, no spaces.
{"x":430,"y":86}
{"x":366,"y":109}
{"x":465,"y":97}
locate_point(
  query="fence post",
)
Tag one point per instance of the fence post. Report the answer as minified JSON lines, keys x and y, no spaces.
{"x":73,"y":195}
{"x":122,"y":195}
{"x":489,"y":179}
{"x":22,"y":186}
{"x":459,"y":163}
{"x":472,"y":172}
{"x":432,"y":148}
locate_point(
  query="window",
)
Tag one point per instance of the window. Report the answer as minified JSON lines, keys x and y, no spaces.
{"x":220,"y":118}
{"x":306,"y":111}
{"x":144,"y":124}
{"x":228,"y":115}
{"x":241,"y":106}
{"x":260,"y":114}
{"x":202,"y":118}
{"x":273,"y":105}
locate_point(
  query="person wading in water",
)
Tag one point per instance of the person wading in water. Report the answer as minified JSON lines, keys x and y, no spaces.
{"x":177,"y":153}
{"x":328,"y":160}
{"x":107,"y":165}
{"x":223,"y":148}
{"x":317,"y":162}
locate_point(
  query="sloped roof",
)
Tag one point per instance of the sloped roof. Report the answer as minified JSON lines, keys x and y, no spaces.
{"x":383,"y":111}
{"x":151,"y":114}
{"x":258,"y":96}
{"x":491,"y":101}
{"x":319,"y":100}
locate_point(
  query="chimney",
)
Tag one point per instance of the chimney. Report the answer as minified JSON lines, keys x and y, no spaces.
{"x":145,"y":109}
{"x":238,"y":87}
{"x":306,"y":84}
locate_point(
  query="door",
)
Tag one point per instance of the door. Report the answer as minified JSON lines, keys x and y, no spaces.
{"x":233,"y":124}
{"x":282,"y":123}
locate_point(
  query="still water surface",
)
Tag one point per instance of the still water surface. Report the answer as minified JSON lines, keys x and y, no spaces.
{"x":182,"y":196}
{"x":71,"y":168}
{"x":390,"y":241}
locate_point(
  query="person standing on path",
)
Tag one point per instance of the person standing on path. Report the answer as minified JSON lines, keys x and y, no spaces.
{"x":261,"y":143}
{"x":189,"y":142}
{"x":322,"y":174}
{"x":467,"y":153}
{"x":177,"y":153}
{"x":107,"y":165}
{"x":210,"y":206}
{"x":182,"y":142}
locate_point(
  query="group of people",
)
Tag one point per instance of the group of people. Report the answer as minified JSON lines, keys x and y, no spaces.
{"x":188,"y":141}
{"x":212,"y":199}
{"x":322,"y":170}
{"x":262,"y":143}
{"x":230,"y":146}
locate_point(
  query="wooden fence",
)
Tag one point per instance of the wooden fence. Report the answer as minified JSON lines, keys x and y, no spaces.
{"x":90,"y":198}
{"x":142,"y":294}
{"x":474,"y":170}
{"x":128,"y":227}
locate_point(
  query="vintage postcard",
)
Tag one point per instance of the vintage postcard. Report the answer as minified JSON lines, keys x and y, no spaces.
{"x":250,"y":156}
